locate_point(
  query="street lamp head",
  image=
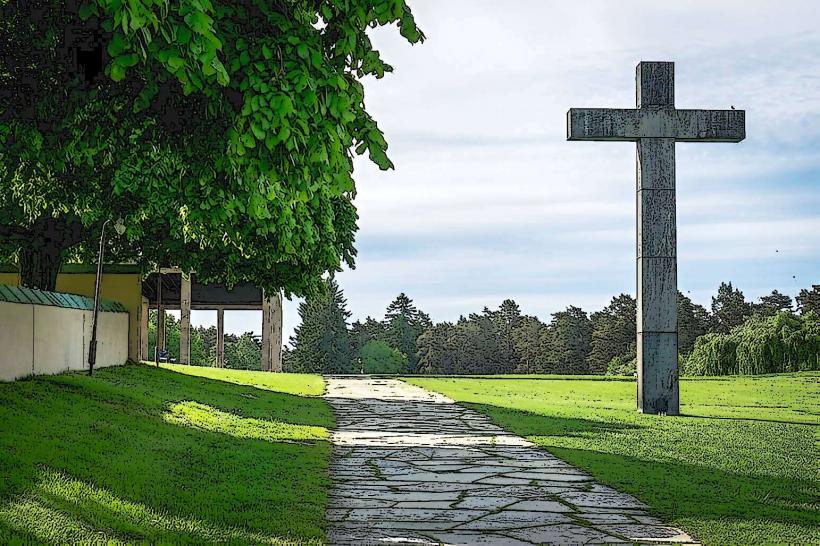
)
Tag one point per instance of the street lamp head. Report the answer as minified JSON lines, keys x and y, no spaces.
{"x":119,"y":226}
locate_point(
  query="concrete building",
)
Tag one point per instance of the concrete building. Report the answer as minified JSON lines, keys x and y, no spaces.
{"x":169,"y":289}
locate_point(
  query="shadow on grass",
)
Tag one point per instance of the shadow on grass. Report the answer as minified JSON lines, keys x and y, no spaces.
{"x":716,"y":505}
{"x":145,"y":454}
{"x":534,"y":424}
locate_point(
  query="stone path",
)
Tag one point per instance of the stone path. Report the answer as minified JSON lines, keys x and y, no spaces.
{"x":412,"y":467}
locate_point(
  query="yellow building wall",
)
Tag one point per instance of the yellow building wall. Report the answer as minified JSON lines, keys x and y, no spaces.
{"x":11,"y":279}
{"x":125,"y":288}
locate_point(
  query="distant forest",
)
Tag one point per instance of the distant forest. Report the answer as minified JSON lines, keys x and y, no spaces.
{"x":733,"y":336}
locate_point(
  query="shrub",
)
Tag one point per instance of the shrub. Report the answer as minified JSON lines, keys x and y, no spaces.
{"x":780,"y":343}
{"x":379,"y":357}
{"x":623,"y":365}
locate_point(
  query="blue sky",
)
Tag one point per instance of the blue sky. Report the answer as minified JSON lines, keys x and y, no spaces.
{"x":489,"y":201}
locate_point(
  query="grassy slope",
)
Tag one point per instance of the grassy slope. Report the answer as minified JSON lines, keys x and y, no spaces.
{"x":740,"y":467}
{"x":179,"y":454}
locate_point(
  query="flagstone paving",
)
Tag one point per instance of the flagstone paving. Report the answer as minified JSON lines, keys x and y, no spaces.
{"x":412,"y":467}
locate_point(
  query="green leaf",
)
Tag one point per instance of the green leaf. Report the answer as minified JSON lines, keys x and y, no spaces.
{"x":302,"y":50}
{"x":183,"y":35}
{"x":257,"y":131}
{"x":116,"y":72}
{"x":316,"y":59}
{"x":199,"y":22}
{"x":267,"y":53}
{"x":117,"y":45}
{"x":409,"y":30}
{"x":175,"y":63}
{"x":221,"y":74}
{"x":127,"y":60}
{"x":248,"y":140}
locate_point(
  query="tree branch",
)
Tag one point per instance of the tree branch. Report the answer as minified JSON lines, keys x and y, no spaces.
{"x":14,"y":232}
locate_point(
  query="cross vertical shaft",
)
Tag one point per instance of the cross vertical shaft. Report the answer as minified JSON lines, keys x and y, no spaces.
{"x":657,"y":277}
{"x":657,"y":282}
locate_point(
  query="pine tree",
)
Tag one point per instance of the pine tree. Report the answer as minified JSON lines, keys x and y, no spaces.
{"x":510,"y":313}
{"x":773,"y":303}
{"x":613,"y":333}
{"x":403,"y":324}
{"x":506,"y":320}
{"x":491,"y":336}
{"x":321,"y":343}
{"x":363,"y":332}
{"x":436,"y":350}
{"x":401,"y":306}
{"x":729,"y":308}
{"x":809,"y":300}
{"x":527,"y":343}
{"x":693,"y":322}
{"x":566,"y":343}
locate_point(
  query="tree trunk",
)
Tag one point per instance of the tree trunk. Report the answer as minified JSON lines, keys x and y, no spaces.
{"x":39,"y":266}
{"x":41,"y":249}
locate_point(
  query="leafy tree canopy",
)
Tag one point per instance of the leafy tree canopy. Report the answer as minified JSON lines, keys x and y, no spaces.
{"x":223,"y":132}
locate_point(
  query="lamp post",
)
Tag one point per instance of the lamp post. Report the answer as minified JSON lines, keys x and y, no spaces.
{"x":119,"y":227}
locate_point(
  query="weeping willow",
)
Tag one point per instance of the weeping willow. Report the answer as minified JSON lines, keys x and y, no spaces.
{"x":780,"y":343}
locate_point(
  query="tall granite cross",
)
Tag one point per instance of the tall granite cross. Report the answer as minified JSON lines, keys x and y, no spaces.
{"x":656,"y":125}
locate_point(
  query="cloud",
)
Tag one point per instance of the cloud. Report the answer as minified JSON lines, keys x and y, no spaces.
{"x":489,"y":201}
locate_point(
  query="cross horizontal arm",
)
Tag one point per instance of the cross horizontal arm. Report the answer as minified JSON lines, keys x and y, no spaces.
{"x":628,"y":124}
{"x":710,"y":125}
{"x":602,"y":124}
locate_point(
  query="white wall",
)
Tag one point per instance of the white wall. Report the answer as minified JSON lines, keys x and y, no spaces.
{"x":40,"y":339}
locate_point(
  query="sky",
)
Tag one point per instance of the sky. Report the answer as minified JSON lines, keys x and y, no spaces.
{"x":489,"y":201}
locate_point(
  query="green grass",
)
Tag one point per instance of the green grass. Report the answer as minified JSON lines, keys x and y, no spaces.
{"x":741,"y":467}
{"x":300,"y":384}
{"x":177,"y":454}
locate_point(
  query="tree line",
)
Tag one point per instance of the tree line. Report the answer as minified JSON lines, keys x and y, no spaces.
{"x":734,"y":335}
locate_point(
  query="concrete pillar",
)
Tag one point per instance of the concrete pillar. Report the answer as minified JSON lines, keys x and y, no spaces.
{"x":185,"y":320}
{"x":266,"y":338}
{"x":272,"y":333}
{"x":657,"y":284}
{"x":220,"y":338}
{"x":160,"y":320}
{"x":143,"y":332}
{"x":276,"y":317}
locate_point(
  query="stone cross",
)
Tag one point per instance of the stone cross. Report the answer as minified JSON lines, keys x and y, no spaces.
{"x":656,"y":125}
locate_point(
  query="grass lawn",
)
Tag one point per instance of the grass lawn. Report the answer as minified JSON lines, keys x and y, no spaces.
{"x":177,"y":454}
{"x":741,"y":467}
